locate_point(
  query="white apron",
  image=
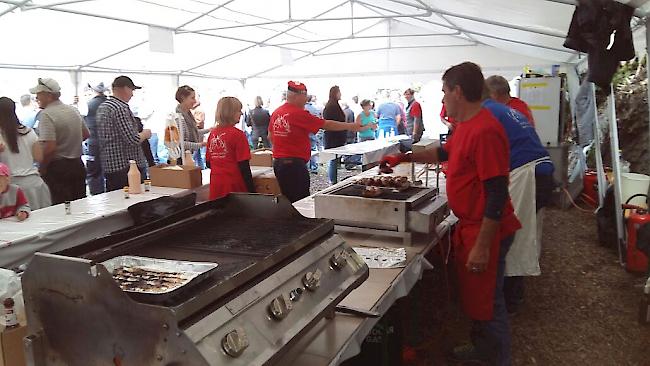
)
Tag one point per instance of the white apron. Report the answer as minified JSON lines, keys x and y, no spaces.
{"x":523,"y":256}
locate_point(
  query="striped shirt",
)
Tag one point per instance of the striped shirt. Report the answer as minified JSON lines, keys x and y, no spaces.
{"x":119,"y":140}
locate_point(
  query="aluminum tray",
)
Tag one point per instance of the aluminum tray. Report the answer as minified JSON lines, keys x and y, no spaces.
{"x":185,"y":273}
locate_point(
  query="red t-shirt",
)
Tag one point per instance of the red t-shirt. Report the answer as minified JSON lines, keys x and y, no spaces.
{"x":227,"y":146}
{"x":521,"y":106}
{"x":478,"y":150}
{"x":443,"y":115}
{"x":416,"y":110}
{"x":290,"y":128}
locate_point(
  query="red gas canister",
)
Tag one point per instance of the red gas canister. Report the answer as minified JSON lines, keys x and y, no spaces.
{"x":590,"y":185}
{"x":637,"y":261}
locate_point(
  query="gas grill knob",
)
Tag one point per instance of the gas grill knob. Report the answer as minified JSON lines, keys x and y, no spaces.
{"x":339,"y":260}
{"x":234,"y":343}
{"x":311,"y":280}
{"x":280,"y":307}
{"x":295,"y":295}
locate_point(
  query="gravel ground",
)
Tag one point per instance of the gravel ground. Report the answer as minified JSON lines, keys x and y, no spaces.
{"x":320,"y":181}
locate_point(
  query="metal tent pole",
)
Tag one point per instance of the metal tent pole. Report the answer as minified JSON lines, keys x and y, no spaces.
{"x":602,"y":181}
{"x":616,"y":166}
{"x":647,"y":50}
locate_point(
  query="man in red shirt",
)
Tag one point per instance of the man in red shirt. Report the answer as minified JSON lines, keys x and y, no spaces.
{"x":477,"y":189}
{"x":289,"y":131}
{"x":414,"y":124}
{"x":499,"y":89}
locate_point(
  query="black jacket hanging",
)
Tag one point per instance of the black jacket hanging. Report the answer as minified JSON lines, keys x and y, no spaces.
{"x":592,"y":24}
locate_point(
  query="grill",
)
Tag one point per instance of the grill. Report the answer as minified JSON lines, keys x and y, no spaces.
{"x":277,"y":273}
{"x":393,"y":213}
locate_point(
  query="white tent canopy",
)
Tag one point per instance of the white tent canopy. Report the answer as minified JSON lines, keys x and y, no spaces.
{"x":243,"y":39}
{"x":256,"y":45}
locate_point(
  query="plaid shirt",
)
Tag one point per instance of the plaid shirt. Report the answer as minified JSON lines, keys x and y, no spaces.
{"x":118,"y":136}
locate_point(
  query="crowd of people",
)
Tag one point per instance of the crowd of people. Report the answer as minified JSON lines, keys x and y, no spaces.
{"x":56,"y":155}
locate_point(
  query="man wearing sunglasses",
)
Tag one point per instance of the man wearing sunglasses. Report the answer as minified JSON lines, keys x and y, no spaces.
{"x":61,"y":132}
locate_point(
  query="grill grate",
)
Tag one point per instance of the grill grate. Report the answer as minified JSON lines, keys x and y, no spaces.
{"x":355,"y":190}
{"x":247,"y":236}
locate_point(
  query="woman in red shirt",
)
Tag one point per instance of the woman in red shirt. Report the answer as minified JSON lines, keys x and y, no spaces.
{"x":228,"y":152}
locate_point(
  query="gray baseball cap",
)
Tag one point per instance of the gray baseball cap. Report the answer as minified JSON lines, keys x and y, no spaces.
{"x":46,"y":85}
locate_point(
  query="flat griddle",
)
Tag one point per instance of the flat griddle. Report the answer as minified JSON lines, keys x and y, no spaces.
{"x":246,"y":235}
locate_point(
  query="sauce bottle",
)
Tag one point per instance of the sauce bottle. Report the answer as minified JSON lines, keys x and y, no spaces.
{"x":10,"y":318}
{"x":134,"y":178}
{"x":187,"y":158}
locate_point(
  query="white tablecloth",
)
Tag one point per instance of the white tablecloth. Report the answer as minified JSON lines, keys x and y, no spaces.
{"x":50,"y":229}
{"x":371,"y":151}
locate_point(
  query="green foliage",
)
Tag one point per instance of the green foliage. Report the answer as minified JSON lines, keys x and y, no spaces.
{"x":626,"y":71}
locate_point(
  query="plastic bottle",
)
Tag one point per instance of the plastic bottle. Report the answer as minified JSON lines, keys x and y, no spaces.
{"x":187,"y":158}
{"x":134,"y":178}
{"x":392,"y":132}
{"x":260,"y":143}
{"x":10,"y":318}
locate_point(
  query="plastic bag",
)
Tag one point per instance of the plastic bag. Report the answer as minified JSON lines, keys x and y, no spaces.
{"x":173,"y":136}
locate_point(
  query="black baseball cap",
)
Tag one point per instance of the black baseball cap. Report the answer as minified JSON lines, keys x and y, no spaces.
{"x":121,"y":81}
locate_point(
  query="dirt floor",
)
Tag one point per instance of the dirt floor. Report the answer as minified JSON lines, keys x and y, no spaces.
{"x":582,"y":310}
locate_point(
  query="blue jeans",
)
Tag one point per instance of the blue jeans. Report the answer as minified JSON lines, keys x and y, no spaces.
{"x":198,"y":158}
{"x":332,"y":171}
{"x":313,"y":166}
{"x":95,"y":176}
{"x":496,"y":332}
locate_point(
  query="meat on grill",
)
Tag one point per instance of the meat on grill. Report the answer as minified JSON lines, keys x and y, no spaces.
{"x":399,"y":182}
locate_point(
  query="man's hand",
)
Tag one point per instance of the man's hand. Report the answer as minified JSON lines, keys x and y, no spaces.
{"x":145,"y":134}
{"x":478,"y":258}
{"x":22,"y":215}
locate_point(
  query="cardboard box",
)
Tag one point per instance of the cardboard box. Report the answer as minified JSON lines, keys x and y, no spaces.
{"x":188,"y":177}
{"x":261,"y":157}
{"x":267,"y":184}
{"x":12,"y":349}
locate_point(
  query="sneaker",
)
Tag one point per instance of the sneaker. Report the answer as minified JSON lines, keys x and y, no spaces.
{"x":466,"y":354}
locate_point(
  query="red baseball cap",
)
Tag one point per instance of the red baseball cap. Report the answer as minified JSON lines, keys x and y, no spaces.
{"x":297,"y":87}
